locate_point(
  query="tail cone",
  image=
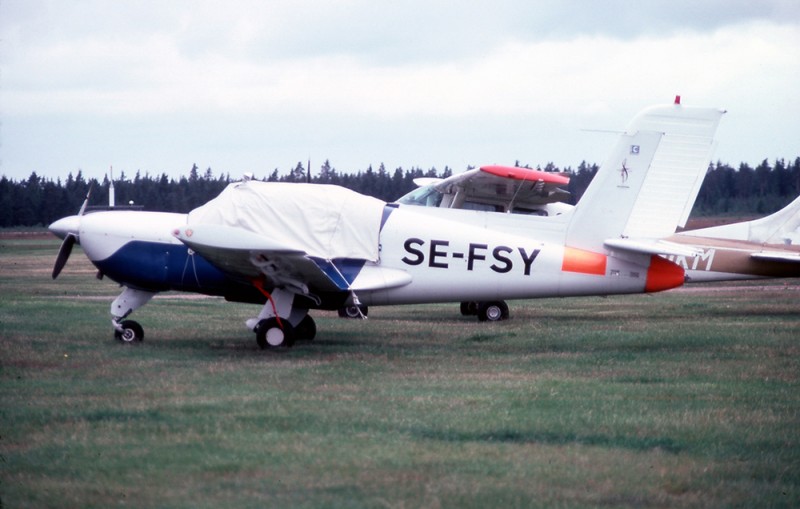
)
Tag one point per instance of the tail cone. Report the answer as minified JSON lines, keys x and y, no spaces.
{"x":663,"y":275}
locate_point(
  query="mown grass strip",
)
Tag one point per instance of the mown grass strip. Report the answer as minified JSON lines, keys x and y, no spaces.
{"x":682,"y":399}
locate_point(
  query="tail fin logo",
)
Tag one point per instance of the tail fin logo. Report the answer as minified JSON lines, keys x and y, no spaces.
{"x":623,"y":172}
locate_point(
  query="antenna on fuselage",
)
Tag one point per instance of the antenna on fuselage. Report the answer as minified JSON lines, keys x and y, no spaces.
{"x":111,"y":198}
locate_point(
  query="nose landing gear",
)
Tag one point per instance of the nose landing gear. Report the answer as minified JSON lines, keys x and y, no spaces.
{"x":129,"y":331}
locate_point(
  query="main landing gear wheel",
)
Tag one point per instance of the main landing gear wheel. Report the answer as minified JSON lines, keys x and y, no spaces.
{"x":131,"y":331}
{"x":353,"y":311}
{"x":273,"y":334}
{"x":492,"y":311}
{"x":469,"y":308}
{"x":306,"y":329}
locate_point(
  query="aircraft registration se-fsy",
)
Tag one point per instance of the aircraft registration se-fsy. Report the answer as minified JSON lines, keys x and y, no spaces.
{"x":297,"y":247}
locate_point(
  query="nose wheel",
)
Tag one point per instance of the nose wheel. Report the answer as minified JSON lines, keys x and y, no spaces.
{"x":128,"y":331}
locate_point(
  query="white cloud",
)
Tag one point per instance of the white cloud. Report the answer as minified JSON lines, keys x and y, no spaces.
{"x":151,"y":75}
{"x":215,"y":74}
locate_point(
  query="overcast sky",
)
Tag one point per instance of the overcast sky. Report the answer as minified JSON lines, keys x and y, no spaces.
{"x":240,"y":86}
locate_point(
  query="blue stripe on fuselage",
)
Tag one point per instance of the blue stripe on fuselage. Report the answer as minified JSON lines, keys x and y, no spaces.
{"x":156,"y":266}
{"x":387,"y":211}
{"x":342,"y":271}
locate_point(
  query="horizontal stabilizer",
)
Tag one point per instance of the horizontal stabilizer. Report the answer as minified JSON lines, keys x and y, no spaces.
{"x":777,"y":256}
{"x":657,"y":247}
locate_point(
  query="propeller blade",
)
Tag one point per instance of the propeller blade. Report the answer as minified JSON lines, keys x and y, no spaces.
{"x":63,"y":254}
{"x":85,"y":202}
{"x":70,"y":238}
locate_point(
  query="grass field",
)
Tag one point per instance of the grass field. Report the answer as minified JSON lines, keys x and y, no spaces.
{"x":689,"y":398}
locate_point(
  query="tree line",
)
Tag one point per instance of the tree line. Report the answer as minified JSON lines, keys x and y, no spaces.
{"x":40,"y":201}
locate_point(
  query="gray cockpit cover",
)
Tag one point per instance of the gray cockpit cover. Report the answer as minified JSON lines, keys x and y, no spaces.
{"x":325,"y":221}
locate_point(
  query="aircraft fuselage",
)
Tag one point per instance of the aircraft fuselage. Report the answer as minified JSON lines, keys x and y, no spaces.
{"x":727,"y":259}
{"x":447,"y":261}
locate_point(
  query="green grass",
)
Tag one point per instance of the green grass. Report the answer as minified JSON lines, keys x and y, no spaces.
{"x":681,"y":399}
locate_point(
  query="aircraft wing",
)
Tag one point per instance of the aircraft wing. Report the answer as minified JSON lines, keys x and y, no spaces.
{"x":509,"y":186}
{"x":248,"y":255}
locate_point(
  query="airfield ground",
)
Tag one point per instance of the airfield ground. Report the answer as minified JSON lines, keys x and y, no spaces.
{"x":689,"y":398}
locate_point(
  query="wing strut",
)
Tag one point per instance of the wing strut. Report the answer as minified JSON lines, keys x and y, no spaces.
{"x":519,"y":188}
{"x":353,"y":297}
{"x":357,"y":304}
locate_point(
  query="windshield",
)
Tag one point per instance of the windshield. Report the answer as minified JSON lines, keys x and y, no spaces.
{"x":425,"y":196}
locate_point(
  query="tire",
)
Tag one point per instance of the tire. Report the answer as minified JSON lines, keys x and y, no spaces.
{"x":306,"y":329}
{"x":492,"y":311}
{"x":352,"y":311}
{"x":469,"y":308}
{"x":273,"y":334}
{"x":131,"y":332}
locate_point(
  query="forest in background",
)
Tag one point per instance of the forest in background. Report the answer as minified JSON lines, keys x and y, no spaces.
{"x":37,"y":201}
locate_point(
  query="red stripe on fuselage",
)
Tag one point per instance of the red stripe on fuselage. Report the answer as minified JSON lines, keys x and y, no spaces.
{"x":584,"y":262}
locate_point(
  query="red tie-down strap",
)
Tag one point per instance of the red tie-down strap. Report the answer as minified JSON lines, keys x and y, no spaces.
{"x":259,"y":283}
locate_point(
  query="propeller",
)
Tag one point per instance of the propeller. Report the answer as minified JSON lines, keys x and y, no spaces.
{"x":68,"y":229}
{"x":63,"y":253}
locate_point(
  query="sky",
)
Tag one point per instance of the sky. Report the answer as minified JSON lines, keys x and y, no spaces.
{"x":254,"y":86}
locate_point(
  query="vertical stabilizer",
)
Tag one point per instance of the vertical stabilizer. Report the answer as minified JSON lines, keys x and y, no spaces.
{"x":782,"y":227}
{"x":648,"y":185}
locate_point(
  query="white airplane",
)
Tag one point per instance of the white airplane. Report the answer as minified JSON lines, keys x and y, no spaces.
{"x":297,"y":247}
{"x":764,"y":248}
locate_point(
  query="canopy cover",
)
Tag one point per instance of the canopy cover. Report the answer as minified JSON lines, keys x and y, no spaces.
{"x":325,"y":221}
